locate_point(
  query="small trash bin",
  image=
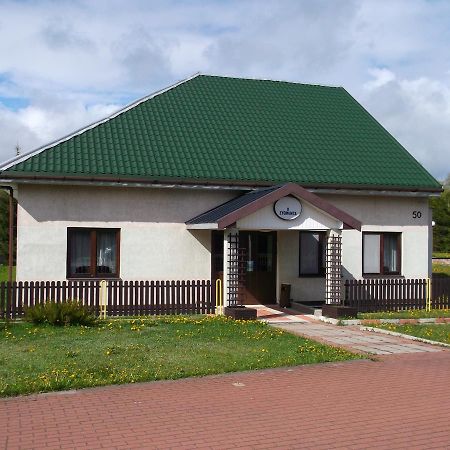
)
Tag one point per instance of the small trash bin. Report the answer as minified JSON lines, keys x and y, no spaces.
{"x":285,"y":295}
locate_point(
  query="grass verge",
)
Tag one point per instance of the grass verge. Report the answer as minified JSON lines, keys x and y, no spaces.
{"x":438,"y":332}
{"x":411,"y":314}
{"x":44,"y":358}
{"x":441,"y":269}
{"x":441,"y":254}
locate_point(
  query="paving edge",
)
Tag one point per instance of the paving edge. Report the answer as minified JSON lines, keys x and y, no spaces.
{"x":353,"y":322}
{"x":329,"y":320}
{"x":405,"y":336}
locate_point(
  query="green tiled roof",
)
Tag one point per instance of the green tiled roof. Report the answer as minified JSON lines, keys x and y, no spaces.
{"x":230,"y":129}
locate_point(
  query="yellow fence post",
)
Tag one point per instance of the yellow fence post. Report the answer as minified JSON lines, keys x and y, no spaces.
{"x":219,"y":302}
{"x":103,"y":301}
{"x":428,"y":307}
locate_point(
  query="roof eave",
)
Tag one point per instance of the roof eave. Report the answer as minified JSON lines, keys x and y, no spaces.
{"x":30,"y":176}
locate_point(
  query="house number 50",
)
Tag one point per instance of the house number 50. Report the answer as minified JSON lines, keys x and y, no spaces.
{"x":416,"y":214}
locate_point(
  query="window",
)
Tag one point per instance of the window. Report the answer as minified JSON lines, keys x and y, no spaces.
{"x":381,"y":253}
{"x":312,"y":253}
{"x":92,"y":253}
{"x":260,"y":250}
{"x":216,"y":253}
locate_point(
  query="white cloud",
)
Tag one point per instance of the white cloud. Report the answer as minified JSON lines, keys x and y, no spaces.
{"x":417,"y":113}
{"x":72,"y":60}
{"x":36,"y":125}
{"x":381,"y":77}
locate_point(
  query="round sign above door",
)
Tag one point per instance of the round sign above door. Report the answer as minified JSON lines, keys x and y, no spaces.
{"x":287,"y":208}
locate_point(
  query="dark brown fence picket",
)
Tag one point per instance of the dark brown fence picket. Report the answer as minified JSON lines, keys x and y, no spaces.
{"x":167,"y":298}
{"x":157,"y":298}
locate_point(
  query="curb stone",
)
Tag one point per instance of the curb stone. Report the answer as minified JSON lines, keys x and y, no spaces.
{"x":329,"y":320}
{"x":353,"y":322}
{"x":405,"y":336}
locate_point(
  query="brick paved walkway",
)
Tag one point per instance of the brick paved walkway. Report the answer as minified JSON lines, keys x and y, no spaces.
{"x":355,"y":339}
{"x":349,"y":337}
{"x":399,"y":402}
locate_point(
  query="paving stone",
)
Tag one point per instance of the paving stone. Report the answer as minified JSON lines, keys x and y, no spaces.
{"x":373,"y":350}
{"x":356,"y":339}
{"x":396,"y":402}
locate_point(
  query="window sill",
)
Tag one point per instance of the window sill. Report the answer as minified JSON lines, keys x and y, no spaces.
{"x":378,"y":276}
{"x":93,"y":278}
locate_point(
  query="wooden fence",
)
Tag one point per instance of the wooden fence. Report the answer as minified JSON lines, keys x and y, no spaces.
{"x":123,"y":298}
{"x":371,"y":295}
{"x":440,"y":292}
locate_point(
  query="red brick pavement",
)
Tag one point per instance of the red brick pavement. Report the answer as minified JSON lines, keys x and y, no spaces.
{"x":396,"y":402}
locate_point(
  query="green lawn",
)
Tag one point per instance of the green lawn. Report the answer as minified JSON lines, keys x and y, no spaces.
{"x":4,"y":273}
{"x":443,"y":269}
{"x":438,"y":332}
{"x":441,"y":255}
{"x":412,"y":314}
{"x":44,"y":358}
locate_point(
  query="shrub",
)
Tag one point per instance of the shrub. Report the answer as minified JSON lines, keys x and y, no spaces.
{"x":70,"y":312}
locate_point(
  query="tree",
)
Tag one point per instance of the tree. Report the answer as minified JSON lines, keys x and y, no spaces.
{"x":4,"y":202}
{"x":4,"y":226}
{"x":441,"y":217}
{"x":447,"y":181}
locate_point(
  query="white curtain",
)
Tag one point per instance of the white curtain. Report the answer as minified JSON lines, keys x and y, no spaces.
{"x":106,"y":252}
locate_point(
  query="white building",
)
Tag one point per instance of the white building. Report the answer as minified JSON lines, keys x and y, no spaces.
{"x":215,"y":173}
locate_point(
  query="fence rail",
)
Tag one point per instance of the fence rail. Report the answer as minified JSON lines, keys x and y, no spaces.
{"x":124,"y":298}
{"x":373,"y":295}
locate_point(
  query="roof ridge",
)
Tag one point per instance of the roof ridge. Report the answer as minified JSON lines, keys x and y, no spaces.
{"x":21,"y":158}
{"x":271,"y":80}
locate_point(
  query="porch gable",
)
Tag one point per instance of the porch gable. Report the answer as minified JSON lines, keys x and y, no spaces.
{"x":254,"y":211}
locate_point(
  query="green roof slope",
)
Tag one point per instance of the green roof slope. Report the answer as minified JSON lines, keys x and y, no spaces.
{"x":231,"y":129}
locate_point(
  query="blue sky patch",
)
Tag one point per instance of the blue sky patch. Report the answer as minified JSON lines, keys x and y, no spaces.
{"x":14,"y":103}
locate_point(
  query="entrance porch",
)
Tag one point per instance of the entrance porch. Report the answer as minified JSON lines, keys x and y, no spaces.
{"x":265,"y":266}
{"x":274,"y":236}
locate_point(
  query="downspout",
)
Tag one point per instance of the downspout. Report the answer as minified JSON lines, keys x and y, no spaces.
{"x":10,"y":233}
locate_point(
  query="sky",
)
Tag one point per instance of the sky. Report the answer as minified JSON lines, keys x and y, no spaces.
{"x":65,"y":64}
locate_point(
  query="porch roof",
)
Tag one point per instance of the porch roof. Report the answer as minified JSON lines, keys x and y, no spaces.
{"x":228,"y":213}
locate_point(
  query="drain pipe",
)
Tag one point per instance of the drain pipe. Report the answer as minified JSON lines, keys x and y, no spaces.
{"x":10,"y":233}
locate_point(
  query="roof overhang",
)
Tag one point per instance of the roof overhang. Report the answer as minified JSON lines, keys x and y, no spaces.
{"x":69,"y":179}
{"x":230,"y":212}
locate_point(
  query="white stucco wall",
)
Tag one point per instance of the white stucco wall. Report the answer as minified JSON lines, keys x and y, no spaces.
{"x":383,"y":214}
{"x":154,"y":241}
{"x":388,"y":214}
{"x":302,"y":288}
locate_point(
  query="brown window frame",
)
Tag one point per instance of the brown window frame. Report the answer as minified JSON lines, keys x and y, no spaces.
{"x":93,"y":253}
{"x":321,"y":269}
{"x":399,"y":253}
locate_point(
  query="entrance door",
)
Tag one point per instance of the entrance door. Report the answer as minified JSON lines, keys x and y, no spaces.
{"x":261,"y":261}
{"x":216,"y":255}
